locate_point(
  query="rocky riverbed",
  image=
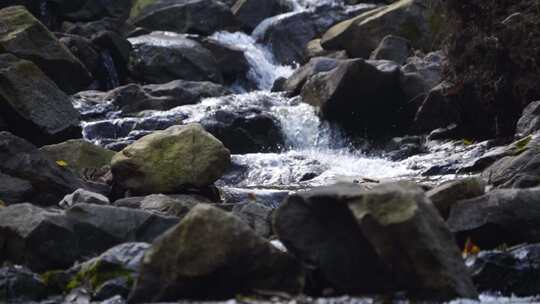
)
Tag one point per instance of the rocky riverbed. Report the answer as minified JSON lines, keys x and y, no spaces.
{"x":276,"y":151}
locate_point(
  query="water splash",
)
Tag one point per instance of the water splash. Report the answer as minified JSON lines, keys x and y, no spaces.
{"x":263,"y":68}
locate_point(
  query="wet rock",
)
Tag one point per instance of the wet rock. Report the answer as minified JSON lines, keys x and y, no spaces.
{"x":45,"y":240}
{"x":161,"y":58}
{"x":293,"y":85}
{"x":115,"y":46}
{"x":251,"y":12}
{"x":267,"y":197}
{"x":512,"y":273}
{"x":400,"y":148}
{"x":375,"y":111}
{"x":436,"y":110}
{"x":231,"y":60}
{"x":288,"y":35}
{"x":81,"y":196}
{"x":315,"y":49}
{"x":111,"y":273}
{"x":367,"y":241}
{"x":171,"y":160}
{"x":417,"y":21}
{"x":84,"y":50}
{"x":445,"y":195}
{"x":250,"y":131}
{"x":32,"y":175}
{"x":19,"y":285}
{"x":32,"y":105}
{"x":392,"y":48}
{"x":202,"y":17}
{"x":79,"y":155}
{"x":134,"y":98}
{"x":216,"y":246}
{"x":506,"y":216}
{"x":530,"y":120}
{"x":257,"y":216}
{"x":175,"y":205}
{"x":15,"y":189}
{"x":25,"y":37}
{"x":520,"y":169}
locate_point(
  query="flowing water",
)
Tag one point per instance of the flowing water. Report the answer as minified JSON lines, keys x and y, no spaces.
{"x":315,"y":153}
{"x":112,"y":80}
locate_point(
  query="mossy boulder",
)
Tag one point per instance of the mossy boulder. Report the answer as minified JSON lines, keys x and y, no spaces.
{"x":419,"y":21}
{"x":24,"y":36}
{"x":120,"y":262}
{"x":170,"y":161}
{"x":79,"y":155}
{"x":213,"y":254}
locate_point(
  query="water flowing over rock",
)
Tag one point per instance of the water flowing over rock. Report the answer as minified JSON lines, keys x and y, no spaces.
{"x":171,"y":160}
{"x":219,"y":256}
{"x":25,"y":37}
{"x":288,"y":34}
{"x":32,"y":106}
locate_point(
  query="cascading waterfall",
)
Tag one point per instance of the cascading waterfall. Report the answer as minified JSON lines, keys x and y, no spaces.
{"x":112,"y":80}
{"x":314,"y":154}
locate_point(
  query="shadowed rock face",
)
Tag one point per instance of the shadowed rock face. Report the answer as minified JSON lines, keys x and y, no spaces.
{"x":24,"y":36}
{"x":386,"y":238}
{"x":32,"y":106}
{"x":49,"y":240}
{"x":32,"y":175}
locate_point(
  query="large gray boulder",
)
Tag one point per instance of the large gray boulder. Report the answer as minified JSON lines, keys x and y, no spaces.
{"x":27,"y":38}
{"x":212,"y":254}
{"x":387,"y":238}
{"x":170,"y":161}
{"x":32,"y":106}
{"x":161,"y":58}
{"x":364,"y":97}
{"x":202,"y":17}
{"x":46,"y":240}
